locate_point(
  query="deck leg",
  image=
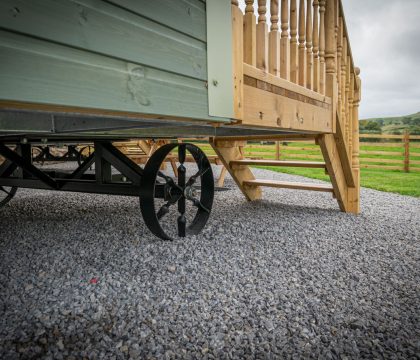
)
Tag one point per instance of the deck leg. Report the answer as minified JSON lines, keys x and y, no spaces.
{"x":222,"y":176}
{"x":228,"y":151}
{"x":346,"y":195}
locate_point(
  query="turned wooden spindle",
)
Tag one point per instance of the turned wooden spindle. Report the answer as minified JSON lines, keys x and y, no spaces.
{"x":250,"y":34}
{"x":309,"y":57}
{"x":262,"y":36}
{"x":330,"y":48}
{"x":348,"y":102}
{"x":249,"y":6}
{"x":350,"y":115}
{"x":294,"y":49}
{"x":344,"y":119}
{"x":315,"y":49}
{"x":284,"y":41}
{"x":235,"y":2}
{"x":302,"y":39}
{"x":336,"y":16}
{"x":355,"y":153}
{"x":274,"y":11}
{"x":355,"y":119}
{"x":322,"y":47}
{"x":339,"y":41}
{"x":274,"y":40}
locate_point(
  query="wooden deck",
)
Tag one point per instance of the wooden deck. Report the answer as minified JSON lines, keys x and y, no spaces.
{"x":297,"y":75}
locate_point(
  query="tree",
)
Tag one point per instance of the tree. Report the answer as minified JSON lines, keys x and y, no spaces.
{"x":406,"y":120}
{"x":372,"y":126}
{"x":416,"y":122}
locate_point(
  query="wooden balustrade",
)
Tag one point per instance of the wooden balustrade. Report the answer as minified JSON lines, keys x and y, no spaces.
{"x":306,"y":43}
{"x":294,"y":46}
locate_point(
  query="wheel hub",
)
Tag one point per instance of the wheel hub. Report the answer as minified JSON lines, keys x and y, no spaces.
{"x":190,"y":192}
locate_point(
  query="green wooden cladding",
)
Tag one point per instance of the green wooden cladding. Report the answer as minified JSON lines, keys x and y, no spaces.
{"x":146,"y":56}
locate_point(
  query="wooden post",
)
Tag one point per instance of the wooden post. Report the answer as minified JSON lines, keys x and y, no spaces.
{"x":294,"y":49}
{"x":274,"y":40}
{"x":330,"y":50}
{"x":344,"y":121}
{"x":354,"y":193}
{"x":315,"y":49}
{"x":262,"y":36}
{"x":309,"y":56}
{"x":351,"y":113}
{"x":284,"y":42}
{"x":302,"y":39}
{"x":238,"y":59}
{"x":277,"y":150}
{"x":250,"y":35}
{"x":322,"y":47}
{"x":339,"y":41}
{"x":406,"y":151}
{"x":228,"y":151}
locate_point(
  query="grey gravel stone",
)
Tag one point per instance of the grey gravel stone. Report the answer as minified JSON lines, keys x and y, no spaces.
{"x":286,"y":277}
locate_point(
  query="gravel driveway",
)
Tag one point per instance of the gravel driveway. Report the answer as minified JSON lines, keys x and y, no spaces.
{"x":286,"y":277}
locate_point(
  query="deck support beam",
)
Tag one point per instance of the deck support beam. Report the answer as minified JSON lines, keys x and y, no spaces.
{"x":346,"y":195}
{"x":228,"y":151}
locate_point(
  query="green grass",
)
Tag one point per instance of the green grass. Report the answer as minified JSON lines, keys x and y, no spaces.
{"x":382,"y":180}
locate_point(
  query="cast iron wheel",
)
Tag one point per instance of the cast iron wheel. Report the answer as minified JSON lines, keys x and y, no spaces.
{"x":182,"y":192}
{"x":6,"y":194}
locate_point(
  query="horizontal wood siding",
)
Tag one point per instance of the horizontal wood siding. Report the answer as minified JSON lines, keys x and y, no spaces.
{"x":187,"y":16}
{"x":33,"y":70}
{"x":103,"y":28}
{"x":125,"y":55}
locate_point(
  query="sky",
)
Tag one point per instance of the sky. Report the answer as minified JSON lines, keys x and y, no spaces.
{"x":385,"y":42}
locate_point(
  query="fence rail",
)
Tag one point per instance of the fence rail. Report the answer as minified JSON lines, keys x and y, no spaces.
{"x":408,"y":158}
{"x":390,"y":152}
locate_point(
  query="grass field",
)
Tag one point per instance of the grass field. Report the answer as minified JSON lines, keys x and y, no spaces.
{"x":380,"y":179}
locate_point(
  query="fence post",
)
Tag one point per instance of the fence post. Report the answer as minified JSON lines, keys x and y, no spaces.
{"x":277,"y":150}
{"x":406,"y":151}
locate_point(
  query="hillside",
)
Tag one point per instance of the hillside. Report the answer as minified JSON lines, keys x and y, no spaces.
{"x":392,"y":125}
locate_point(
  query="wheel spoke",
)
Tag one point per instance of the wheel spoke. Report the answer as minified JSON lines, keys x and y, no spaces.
{"x":199,"y":173}
{"x":163,"y":210}
{"x":182,"y":221}
{"x":182,"y":225}
{"x":167,"y":178}
{"x":181,"y":153}
{"x":197,"y":203}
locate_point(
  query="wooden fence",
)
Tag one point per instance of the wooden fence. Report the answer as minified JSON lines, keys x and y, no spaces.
{"x":397,"y":152}
{"x":387,"y":152}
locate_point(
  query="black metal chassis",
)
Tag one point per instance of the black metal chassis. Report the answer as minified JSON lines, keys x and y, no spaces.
{"x":18,"y":170}
{"x":21,"y":130}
